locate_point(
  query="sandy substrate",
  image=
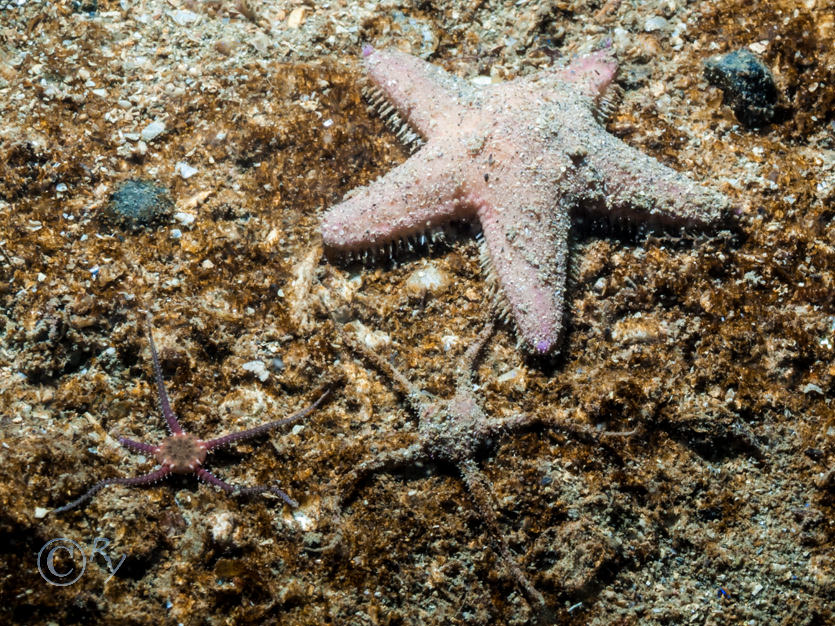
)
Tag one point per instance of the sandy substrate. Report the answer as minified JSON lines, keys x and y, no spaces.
{"x":716,"y":348}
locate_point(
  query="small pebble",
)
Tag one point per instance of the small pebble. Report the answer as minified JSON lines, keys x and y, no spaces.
{"x":183,"y":17}
{"x":812,"y":388}
{"x":185,"y":170}
{"x":426,"y":280}
{"x":449,"y":342}
{"x":222,"y":525}
{"x":186,"y":219}
{"x":296,"y":17}
{"x":304,"y":521}
{"x":258,"y":368}
{"x":373,"y":340}
{"x":152,"y":130}
{"x":656,"y":23}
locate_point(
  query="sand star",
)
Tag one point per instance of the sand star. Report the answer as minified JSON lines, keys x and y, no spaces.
{"x":519,"y":157}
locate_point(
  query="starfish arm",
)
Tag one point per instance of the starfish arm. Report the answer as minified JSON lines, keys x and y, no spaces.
{"x":592,"y":74}
{"x":171,"y":419}
{"x":423,"y":192}
{"x":145,"y":479}
{"x":479,"y":490}
{"x":207,"y":477}
{"x":424,"y":94}
{"x":213,"y":444}
{"x":526,"y":245}
{"x":634,"y":184}
{"x":138,"y":446}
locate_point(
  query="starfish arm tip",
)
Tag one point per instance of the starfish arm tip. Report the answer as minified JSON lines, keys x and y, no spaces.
{"x":543,"y":346}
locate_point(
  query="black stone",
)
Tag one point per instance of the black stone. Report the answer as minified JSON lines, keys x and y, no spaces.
{"x":747,"y":86}
{"x":137,"y":204}
{"x":85,"y":6}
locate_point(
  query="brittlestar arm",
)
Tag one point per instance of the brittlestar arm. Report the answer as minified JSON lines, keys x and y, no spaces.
{"x":209,"y":478}
{"x":388,"y":460}
{"x":138,"y":446}
{"x":165,"y":405}
{"x":468,"y":360}
{"x":145,"y":479}
{"x":583,"y":433}
{"x":415,"y":397}
{"x":588,"y":434}
{"x":213,"y":444}
{"x":827,"y":479}
{"x":480,"y":492}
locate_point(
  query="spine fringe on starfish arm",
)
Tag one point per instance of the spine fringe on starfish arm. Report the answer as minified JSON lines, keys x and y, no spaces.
{"x":519,"y":158}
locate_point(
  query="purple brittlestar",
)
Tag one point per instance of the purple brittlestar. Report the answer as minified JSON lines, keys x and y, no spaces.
{"x":184,"y":453}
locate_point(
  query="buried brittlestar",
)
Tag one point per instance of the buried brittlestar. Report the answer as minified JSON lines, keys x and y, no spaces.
{"x":452,"y":431}
{"x":184,"y":453}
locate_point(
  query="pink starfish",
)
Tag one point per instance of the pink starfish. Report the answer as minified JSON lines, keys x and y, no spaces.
{"x":184,"y":453}
{"x":519,"y":157}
